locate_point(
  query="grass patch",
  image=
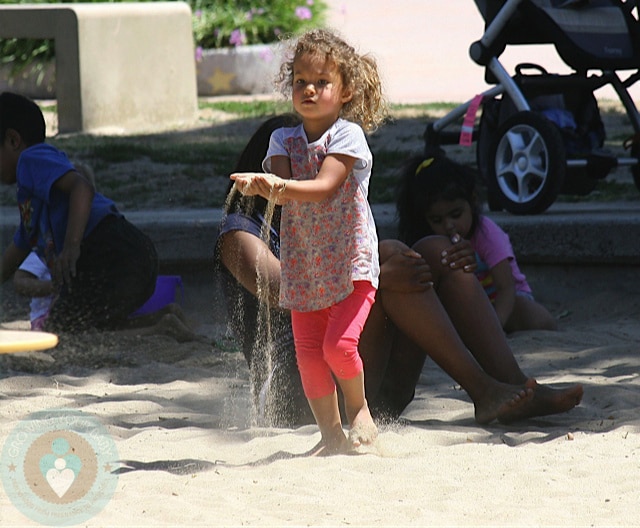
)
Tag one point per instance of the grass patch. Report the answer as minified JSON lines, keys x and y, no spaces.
{"x":248,"y":109}
{"x":426,"y":108}
{"x":158,"y":149}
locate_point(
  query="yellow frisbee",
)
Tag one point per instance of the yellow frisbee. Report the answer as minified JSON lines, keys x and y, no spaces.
{"x":25,"y":340}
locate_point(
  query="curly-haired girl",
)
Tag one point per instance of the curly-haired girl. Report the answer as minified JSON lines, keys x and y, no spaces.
{"x":329,"y":247}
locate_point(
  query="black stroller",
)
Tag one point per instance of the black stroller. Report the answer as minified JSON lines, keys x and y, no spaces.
{"x":541,"y":134}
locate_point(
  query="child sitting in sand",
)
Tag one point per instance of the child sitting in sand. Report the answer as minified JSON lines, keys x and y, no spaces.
{"x":102,"y":266}
{"x":33,"y":279}
{"x":437,"y":197}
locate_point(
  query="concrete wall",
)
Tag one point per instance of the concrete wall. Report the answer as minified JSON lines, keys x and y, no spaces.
{"x":124,"y":66}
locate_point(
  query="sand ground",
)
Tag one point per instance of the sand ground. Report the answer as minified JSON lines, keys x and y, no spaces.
{"x":180,"y":416}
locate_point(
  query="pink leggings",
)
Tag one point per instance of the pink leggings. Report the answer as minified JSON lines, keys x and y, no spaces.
{"x":327,"y":340}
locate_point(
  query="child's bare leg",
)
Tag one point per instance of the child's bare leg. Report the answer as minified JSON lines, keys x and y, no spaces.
{"x":363,"y":429}
{"x":327,"y":415}
{"x":530,"y":315}
{"x":167,"y":324}
{"x":175,"y":309}
{"x":472,"y":315}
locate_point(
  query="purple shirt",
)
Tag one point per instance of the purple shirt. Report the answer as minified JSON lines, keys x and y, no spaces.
{"x":493,"y":246}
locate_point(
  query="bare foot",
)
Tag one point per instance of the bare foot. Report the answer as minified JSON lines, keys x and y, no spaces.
{"x":545,"y":401}
{"x":171,"y":325}
{"x":335,"y":445}
{"x":363,"y":430}
{"x":502,"y":400}
{"x":175,"y":309}
{"x":317,"y":450}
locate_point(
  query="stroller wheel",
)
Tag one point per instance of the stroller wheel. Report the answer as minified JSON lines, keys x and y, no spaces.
{"x":529,"y":164}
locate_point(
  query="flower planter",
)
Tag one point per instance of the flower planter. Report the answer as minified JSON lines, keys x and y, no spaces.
{"x":226,"y":71}
{"x":238,"y":70}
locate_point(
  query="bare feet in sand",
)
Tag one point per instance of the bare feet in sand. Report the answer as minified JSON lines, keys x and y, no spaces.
{"x":502,"y":400}
{"x":333,"y":443}
{"x":545,"y":401}
{"x":363,"y":430}
{"x":173,"y":326}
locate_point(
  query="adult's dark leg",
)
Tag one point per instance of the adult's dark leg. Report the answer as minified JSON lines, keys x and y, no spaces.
{"x":392,"y":365}
{"x":422,"y":319}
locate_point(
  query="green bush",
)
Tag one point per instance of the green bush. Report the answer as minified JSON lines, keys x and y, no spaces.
{"x":222,"y":23}
{"x":216,"y":24}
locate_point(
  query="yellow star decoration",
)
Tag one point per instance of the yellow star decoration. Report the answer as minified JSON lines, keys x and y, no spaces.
{"x":220,"y":81}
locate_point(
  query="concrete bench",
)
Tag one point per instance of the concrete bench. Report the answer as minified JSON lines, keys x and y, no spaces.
{"x":119,"y":66}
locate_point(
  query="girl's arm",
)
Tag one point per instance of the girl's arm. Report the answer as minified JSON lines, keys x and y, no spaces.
{"x":505,"y":290}
{"x":251,"y":263}
{"x":12,"y":257}
{"x":29,"y":285}
{"x":81,"y":194}
{"x":334,"y":171}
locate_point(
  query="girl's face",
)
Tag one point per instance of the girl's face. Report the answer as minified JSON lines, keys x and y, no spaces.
{"x":448,"y":218}
{"x":318,"y":94}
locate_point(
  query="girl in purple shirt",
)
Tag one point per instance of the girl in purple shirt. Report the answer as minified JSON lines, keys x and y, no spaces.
{"x":437,"y":197}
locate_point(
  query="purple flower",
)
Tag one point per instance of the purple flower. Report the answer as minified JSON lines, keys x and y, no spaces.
{"x":309,"y":2}
{"x":255,"y":11}
{"x":199,"y":53}
{"x":303,"y":13}
{"x":266,"y":55}
{"x":237,"y":38}
{"x":198,"y":13}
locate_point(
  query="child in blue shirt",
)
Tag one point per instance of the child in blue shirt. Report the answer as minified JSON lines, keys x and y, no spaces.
{"x":103,"y":267}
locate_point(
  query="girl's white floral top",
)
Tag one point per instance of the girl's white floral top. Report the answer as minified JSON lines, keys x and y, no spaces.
{"x":325,"y":246}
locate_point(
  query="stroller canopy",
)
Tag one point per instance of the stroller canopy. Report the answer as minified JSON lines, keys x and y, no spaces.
{"x":587,"y":34}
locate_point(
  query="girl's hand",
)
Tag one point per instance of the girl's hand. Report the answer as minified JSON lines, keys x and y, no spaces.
{"x":244,"y":182}
{"x":460,"y":255}
{"x":65,"y":265}
{"x":268,"y":186}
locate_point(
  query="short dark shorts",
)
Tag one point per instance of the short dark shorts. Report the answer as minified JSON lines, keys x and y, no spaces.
{"x":115,"y":274}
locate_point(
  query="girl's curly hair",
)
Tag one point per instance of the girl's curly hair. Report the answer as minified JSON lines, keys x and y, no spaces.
{"x":359,"y":73}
